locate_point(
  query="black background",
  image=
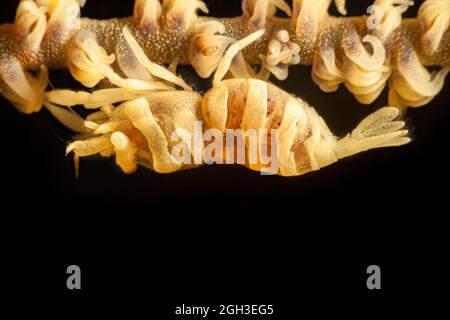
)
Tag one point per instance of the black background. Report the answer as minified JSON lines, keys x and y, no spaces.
{"x":224,"y":234}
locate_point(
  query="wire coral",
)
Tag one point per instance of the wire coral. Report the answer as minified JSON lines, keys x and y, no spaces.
{"x":364,"y":53}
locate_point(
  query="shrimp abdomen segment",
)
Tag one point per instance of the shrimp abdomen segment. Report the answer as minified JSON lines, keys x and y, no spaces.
{"x":259,"y":109}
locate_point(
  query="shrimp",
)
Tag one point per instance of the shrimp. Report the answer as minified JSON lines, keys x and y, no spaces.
{"x":146,"y":128}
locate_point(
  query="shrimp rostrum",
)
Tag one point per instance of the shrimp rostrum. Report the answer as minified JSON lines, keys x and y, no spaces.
{"x":157,"y":121}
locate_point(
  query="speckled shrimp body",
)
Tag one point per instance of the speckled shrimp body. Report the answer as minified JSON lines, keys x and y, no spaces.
{"x":158,"y":122}
{"x":363,"y":53}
